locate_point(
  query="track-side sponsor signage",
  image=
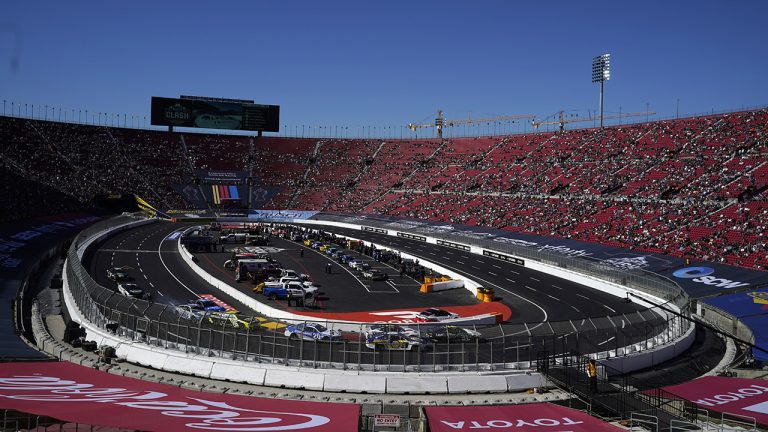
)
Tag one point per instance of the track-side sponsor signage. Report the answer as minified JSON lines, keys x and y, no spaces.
{"x":412,"y":236}
{"x":372,"y":229}
{"x":21,"y":242}
{"x":285,"y":215}
{"x":454,"y":245}
{"x":535,"y":417}
{"x":742,"y":396}
{"x":705,"y":275}
{"x":500,"y":256}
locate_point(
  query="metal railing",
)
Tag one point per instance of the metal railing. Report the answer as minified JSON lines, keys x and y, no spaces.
{"x":263,"y":340}
{"x":61,"y":114}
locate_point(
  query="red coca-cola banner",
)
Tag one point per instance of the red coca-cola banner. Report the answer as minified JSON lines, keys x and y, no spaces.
{"x":537,"y":417}
{"x":742,"y":396}
{"x":78,"y":394}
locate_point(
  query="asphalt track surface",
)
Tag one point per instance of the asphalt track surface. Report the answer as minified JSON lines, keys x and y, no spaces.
{"x":155,"y":264}
{"x":344,"y":289}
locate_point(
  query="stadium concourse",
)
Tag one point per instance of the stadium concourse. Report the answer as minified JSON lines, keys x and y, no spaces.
{"x":684,"y":199}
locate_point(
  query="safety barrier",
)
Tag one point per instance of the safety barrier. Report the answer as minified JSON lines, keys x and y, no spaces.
{"x":506,"y":347}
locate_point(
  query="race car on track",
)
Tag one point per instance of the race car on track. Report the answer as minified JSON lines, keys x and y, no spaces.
{"x":228,"y":320}
{"x":374,"y":274}
{"x":189,"y":312}
{"x":390,"y":329}
{"x":312,"y":331}
{"x":435,"y":315}
{"x":451,"y":334}
{"x":133,"y":290}
{"x":118,"y":274}
{"x":393,"y":341}
{"x":207,"y":305}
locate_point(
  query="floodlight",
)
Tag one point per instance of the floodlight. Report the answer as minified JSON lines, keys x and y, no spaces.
{"x":601,"y":72}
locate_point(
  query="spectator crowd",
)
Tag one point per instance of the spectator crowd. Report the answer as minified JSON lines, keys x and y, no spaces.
{"x":693,"y":187}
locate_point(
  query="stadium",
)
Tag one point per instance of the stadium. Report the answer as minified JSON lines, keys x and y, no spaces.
{"x":206,"y":265}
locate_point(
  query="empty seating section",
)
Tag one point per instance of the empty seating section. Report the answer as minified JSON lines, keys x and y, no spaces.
{"x":692,"y":187}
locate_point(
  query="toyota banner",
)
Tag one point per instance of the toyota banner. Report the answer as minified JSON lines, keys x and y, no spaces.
{"x":535,"y":417}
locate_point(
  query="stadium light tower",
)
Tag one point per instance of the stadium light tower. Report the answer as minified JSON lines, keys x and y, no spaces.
{"x":601,"y":72}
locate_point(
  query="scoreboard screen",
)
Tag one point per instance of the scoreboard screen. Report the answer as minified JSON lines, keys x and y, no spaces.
{"x":215,"y":114}
{"x":261,"y":117}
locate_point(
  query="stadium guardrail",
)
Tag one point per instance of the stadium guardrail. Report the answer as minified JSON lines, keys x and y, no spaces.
{"x":502,"y":347}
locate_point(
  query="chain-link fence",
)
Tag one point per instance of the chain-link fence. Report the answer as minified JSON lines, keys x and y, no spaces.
{"x":418,"y":347}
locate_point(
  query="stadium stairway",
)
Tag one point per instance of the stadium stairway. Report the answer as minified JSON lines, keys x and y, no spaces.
{"x":613,"y":398}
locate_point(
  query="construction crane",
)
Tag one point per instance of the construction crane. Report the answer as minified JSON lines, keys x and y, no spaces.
{"x":562,"y":120}
{"x":441,"y":122}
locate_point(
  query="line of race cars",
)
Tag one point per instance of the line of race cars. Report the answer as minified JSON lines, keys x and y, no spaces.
{"x":125,"y":286}
{"x":388,"y":336}
{"x":206,"y":307}
{"x":276,"y":282}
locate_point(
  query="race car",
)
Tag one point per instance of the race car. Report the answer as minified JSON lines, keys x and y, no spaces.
{"x":311,"y":331}
{"x":390,"y":329}
{"x":374,"y":274}
{"x":393,"y":341}
{"x":435,"y":315}
{"x":118,"y":274}
{"x":133,"y":290}
{"x":228,"y":320}
{"x":206,"y":305}
{"x":189,"y":312}
{"x":451,"y":334}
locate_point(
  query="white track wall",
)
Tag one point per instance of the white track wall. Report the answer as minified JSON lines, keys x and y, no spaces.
{"x":351,"y":381}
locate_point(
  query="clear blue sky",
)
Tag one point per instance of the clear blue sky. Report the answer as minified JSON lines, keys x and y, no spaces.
{"x":386,"y":63}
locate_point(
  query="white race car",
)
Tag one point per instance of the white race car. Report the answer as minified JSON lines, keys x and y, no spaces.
{"x":133,"y":290}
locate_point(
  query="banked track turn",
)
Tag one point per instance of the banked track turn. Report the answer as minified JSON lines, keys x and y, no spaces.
{"x":559,"y":299}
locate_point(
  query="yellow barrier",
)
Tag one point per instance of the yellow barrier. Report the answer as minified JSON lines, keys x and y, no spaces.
{"x":426,"y":288}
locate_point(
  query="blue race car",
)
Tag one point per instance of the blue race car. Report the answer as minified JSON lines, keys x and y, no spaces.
{"x":207,"y":305}
{"x":311,"y":331}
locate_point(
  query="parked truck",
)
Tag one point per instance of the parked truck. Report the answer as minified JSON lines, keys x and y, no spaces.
{"x":281,"y":290}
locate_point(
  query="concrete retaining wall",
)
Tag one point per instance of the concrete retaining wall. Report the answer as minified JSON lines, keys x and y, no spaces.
{"x":332,"y":380}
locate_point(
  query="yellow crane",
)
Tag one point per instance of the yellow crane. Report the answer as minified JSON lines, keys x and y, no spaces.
{"x":441,"y":122}
{"x":562,"y":120}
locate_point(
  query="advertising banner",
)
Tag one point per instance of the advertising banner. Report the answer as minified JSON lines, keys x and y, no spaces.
{"x":280,"y":215}
{"x":698,"y":278}
{"x":535,"y":417}
{"x":221,"y":177}
{"x":751,"y":308}
{"x":78,"y":394}
{"x":742,"y":396}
